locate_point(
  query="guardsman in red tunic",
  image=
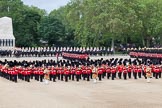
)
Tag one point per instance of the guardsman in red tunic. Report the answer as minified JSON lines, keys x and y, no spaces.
{"x":0,"y":70}
{"x":70,"y":74}
{"x":125,"y":72}
{"x":144,"y":68}
{"x":120,"y":70}
{"x":108,"y":71}
{"x":53,"y":73}
{"x":32,"y":71}
{"x":22,"y":72}
{"x":113,"y":71}
{"x":9,"y":74}
{"x":89,"y":71}
{"x":19,"y":69}
{"x":73,"y":72}
{"x":26,"y":74}
{"x":62,"y":73}
{"x":100,"y":72}
{"x":66,"y":73}
{"x":139,"y":71}
{"x":84,"y":73}
{"x":129,"y":70}
{"x":59,"y":69}
{"x":80,"y":66}
{"x":160,"y":71}
{"x":41,"y":74}
{"x":92,"y":71}
{"x":152,"y":69}
{"x":135,"y":71}
{"x":35,"y":73}
{"x":103,"y":70}
{"x":156,"y":70}
{"x":3,"y":69}
{"x":78,"y":73}
{"x":29,"y":74}
{"x":15,"y":73}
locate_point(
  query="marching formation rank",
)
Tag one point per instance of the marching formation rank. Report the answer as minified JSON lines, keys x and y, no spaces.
{"x":54,"y":51}
{"x":76,"y":70}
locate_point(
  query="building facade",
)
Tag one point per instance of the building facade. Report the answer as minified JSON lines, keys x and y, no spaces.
{"x":7,"y":39}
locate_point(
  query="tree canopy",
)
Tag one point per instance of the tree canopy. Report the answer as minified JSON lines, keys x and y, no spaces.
{"x":87,"y":23}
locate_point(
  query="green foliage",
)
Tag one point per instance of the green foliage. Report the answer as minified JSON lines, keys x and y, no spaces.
{"x":130,"y":21}
{"x":87,"y":23}
{"x":51,"y":30}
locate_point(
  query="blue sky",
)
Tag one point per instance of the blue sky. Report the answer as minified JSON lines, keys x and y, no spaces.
{"x":48,"y":5}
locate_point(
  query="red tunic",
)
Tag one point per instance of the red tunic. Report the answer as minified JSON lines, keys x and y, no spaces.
{"x":129,"y":69}
{"x":84,"y":71}
{"x":60,"y":71}
{"x":66,"y":72}
{"x":157,"y":70}
{"x":89,"y":71}
{"x":108,"y":70}
{"x":26,"y":72}
{"x":53,"y":72}
{"x":100,"y":70}
{"x":135,"y":70}
{"x":124,"y":70}
{"x":40,"y":72}
{"x":120,"y":69}
{"x":73,"y":71}
{"x":139,"y":70}
{"x":113,"y":70}
{"x":78,"y":72}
